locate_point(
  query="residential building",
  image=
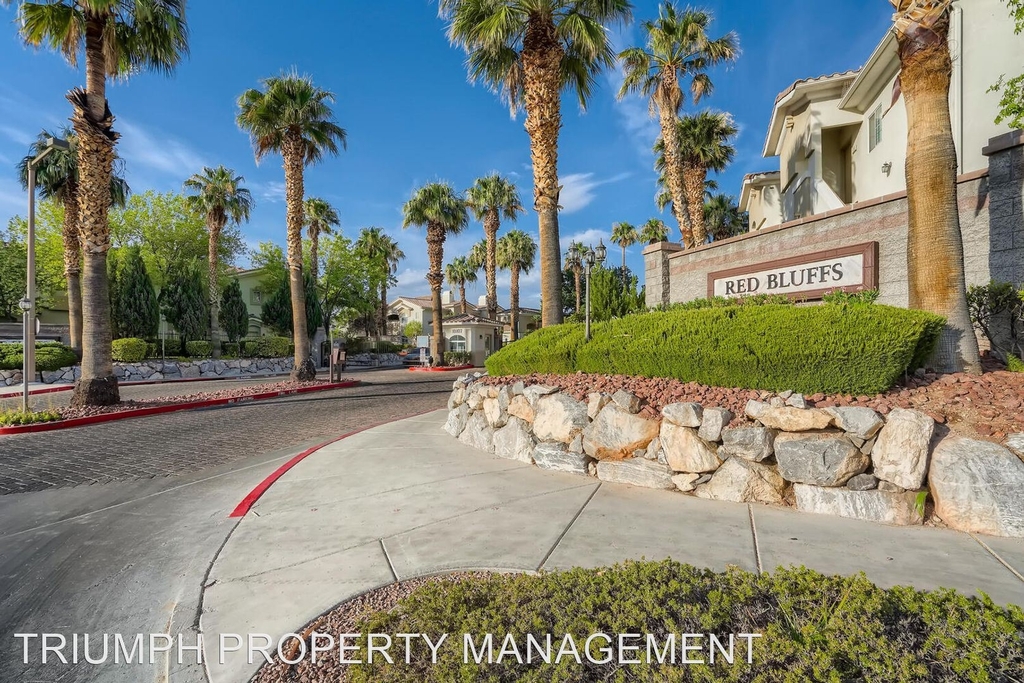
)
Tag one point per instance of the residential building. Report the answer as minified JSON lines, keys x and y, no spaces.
{"x":251,"y":283}
{"x":406,"y":309}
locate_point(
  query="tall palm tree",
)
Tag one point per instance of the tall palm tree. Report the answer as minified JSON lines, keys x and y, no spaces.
{"x":935,"y":250}
{"x":320,"y":218}
{"x":490,"y":199}
{"x":57,"y":179}
{"x":723,"y":216}
{"x":517,"y":253}
{"x":625,"y":235}
{"x":677,"y":48}
{"x":459,"y":272}
{"x":118,"y":39}
{"x":529,"y":52}
{"x":653,"y":231}
{"x":438,"y":207}
{"x":703,"y":146}
{"x":378,"y":246}
{"x":217,"y":194}
{"x":577,"y":271}
{"x":293,"y":117}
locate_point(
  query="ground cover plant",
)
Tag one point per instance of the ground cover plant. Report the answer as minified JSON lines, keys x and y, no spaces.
{"x":13,"y":418}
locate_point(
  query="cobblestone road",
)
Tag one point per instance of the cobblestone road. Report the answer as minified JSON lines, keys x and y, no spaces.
{"x":190,"y":441}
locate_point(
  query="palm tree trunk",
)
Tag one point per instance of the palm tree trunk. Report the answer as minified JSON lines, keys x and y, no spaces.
{"x":384,"y":306}
{"x":935,"y":252}
{"x":435,"y":252}
{"x":211,"y":259}
{"x":514,"y":303}
{"x":304,"y":370}
{"x":93,"y":124}
{"x":694,"y":176}
{"x":73,"y":266}
{"x":542,"y":59}
{"x":623,"y":245}
{"x":577,"y":272}
{"x":492,"y":222}
{"x":462,"y":295}
{"x":314,"y":254}
{"x":674,"y":176}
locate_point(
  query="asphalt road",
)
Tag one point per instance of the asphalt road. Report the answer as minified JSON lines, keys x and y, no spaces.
{"x":110,"y":529}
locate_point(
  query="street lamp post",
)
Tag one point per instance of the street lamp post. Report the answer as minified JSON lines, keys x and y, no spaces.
{"x":28,"y":304}
{"x":588,"y":258}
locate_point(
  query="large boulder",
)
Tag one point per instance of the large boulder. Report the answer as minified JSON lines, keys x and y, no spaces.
{"x":754,"y":409}
{"x":496,"y":408}
{"x":742,"y":481}
{"x":900,"y":454}
{"x":595,"y":402}
{"x":684,"y":414}
{"x":750,"y":443}
{"x":515,"y":441}
{"x":787,"y":419}
{"x":616,"y":433}
{"x":478,"y":433}
{"x":687,"y":452}
{"x":862,"y":423}
{"x":520,"y":407}
{"x":978,"y":486}
{"x":626,"y":401}
{"x":686,"y":481}
{"x":559,"y":418}
{"x":555,"y":456}
{"x":636,"y":472}
{"x":1015,"y":443}
{"x":457,"y":419}
{"x":825,"y":458}
{"x":902,"y":509}
{"x":713,"y":422}
{"x":535,"y":392}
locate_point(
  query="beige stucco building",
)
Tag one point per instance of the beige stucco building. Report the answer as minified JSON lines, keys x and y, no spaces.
{"x":406,"y":309}
{"x":841,"y":139}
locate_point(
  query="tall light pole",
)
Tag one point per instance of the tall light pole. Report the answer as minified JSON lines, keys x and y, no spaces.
{"x":588,"y":258}
{"x":28,"y":304}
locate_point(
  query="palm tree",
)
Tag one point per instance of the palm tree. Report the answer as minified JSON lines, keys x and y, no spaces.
{"x":653,"y":231}
{"x":57,"y":179}
{"x":379,"y":247}
{"x":677,"y":48}
{"x":935,"y":250}
{"x":516,"y":253}
{"x":529,"y":52}
{"x":118,"y":39}
{"x":723,"y":217}
{"x":320,"y":219}
{"x":577,"y":271}
{"x":459,"y":272}
{"x":217,"y":194}
{"x":293,"y":117}
{"x":625,"y":235}
{"x":438,"y":207}
{"x":703,"y":146}
{"x":490,"y":199}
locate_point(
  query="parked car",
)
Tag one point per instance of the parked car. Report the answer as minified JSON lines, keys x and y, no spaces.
{"x":412,"y":356}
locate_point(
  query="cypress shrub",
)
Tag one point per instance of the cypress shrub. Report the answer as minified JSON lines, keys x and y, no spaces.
{"x":130,"y":350}
{"x":234,"y":315}
{"x":134,"y":307}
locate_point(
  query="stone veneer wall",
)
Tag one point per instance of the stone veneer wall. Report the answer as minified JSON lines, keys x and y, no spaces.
{"x":159,"y":370}
{"x":850,"y":462}
{"x":991,"y":220}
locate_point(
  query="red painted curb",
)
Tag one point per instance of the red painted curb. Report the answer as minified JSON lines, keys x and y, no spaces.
{"x":457,"y":368}
{"x":246,"y":504}
{"x":157,"y":410}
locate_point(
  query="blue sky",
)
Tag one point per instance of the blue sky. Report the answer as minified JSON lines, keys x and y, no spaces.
{"x":412,"y":117}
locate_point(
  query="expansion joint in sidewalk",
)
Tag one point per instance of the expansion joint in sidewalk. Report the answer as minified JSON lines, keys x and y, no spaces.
{"x":391,"y":565}
{"x":999,"y":559}
{"x":568,"y":526}
{"x":753,"y":535}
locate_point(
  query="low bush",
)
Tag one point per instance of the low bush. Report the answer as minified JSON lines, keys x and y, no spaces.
{"x":229,"y":349}
{"x":152,"y":350}
{"x":267,"y":347}
{"x":198,"y":349}
{"x":129,"y":350}
{"x":456,"y":358}
{"x":812,"y":627}
{"x":809,"y":349}
{"x":50,"y":356}
{"x":13,"y":418}
{"x":726,"y":302}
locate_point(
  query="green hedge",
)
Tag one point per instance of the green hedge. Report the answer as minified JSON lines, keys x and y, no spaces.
{"x":835,"y":349}
{"x":230,"y":349}
{"x":130,"y":350}
{"x":267,"y":347}
{"x":456,"y":358}
{"x":50,"y":356}
{"x":198,"y":349}
{"x":812,"y":628}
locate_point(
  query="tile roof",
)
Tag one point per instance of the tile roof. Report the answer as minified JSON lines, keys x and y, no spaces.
{"x":817,"y":79}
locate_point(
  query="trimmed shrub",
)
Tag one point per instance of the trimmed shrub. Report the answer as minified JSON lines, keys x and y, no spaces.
{"x":230,"y":349}
{"x":50,"y":356}
{"x":267,"y":347}
{"x":198,"y":349}
{"x":812,"y":627}
{"x":13,"y":418}
{"x":129,"y":350}
{"x":455,"y":358}
{"x":809,"y":349}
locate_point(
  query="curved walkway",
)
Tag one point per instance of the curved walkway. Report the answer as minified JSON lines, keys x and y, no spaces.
{"x":405,"y":500}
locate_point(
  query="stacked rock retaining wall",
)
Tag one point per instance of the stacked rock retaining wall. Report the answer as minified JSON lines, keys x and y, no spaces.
{"x":153,"y":370}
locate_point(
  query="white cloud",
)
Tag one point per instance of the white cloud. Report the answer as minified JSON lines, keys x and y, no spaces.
{"x":633,"y":110}
{"x":13,"y":200}
{"x":272,"y":192}
{"x":578,"y":190}
{"x":410,"y":277}
{"x":587,"y":237}
{"x":18,"y":136}
{"x":154,"y":150}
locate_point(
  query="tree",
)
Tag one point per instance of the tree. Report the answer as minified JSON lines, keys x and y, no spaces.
{"x":321,"y":219}
{"x":653,"y":231}
{"x":269,"y":259}
{"x":624,"y":235}
{"x":185,"y":305}
{"x":233,"y":314}
{"x":277,"y":310}
{"x":723,"y":217}
{"x":217,"y":194}
{"x":412,"y":329}
{"x":614,"y":293}
{"x":438,"y":207}
{"x":135,"y":308}
{"x":529,"y":52}
{"x":382,"y":249}
{"x":350,"y":279}
{"x":677,"y":48}
{"x":1011,"y":106}
{"x":492,"y":198}
{"x":49,"y":259}
{"x":568,"y":292}
{"x":935,"y":250}
{"x":703,"y":146}
{"x":57,"y":179}
{"x":119,"y":39}
{"x":517,"y":253}
{"x":577,"y":272}
{"x":459,"y":272}
{"x":293,"y":117}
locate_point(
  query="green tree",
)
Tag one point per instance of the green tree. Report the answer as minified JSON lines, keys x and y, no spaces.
{"x":517,"y":253}
{"x":49,"y":258}
{"x":530,"y":52}
{"x":269,"y":258}
{"x":438,"y":207}
{"x":321,"y":218}
{"x":1011,"y":106}
{"x":676,"y":48}
{"x":218,"y":195}
{"x":614,"y":293}
{"x":704,"y":145}
{"x":412,"y":329}
{"x":119,"y":39}
{"x":723,"y":217}
{"x":492,"y":198}
{"x":653,"y":231}
{"x":568,"y":292}
{"x":383,"y":251}
{"x":459,"y":272}
{"x":277,"y":310}
{"x":577,"y":273}
{"x":350,"y":279}
{"x":184,"y":303}
{"x":292,"y":117}
{"x":234,"y":315}
{"x":135,"y":308}
{"x":12,"y":275}
{"x":624,"y":235}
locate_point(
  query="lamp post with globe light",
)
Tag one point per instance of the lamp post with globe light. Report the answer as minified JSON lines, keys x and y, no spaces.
{"x":587,"y":258}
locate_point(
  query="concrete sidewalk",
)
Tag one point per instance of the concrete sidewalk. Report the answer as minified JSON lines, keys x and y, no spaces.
{"x":406,"y":500}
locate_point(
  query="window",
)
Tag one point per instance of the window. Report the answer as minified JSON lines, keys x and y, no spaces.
{"x":256,"y":297}
{"x":875,"y":128}
{"x":457,"y":343}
